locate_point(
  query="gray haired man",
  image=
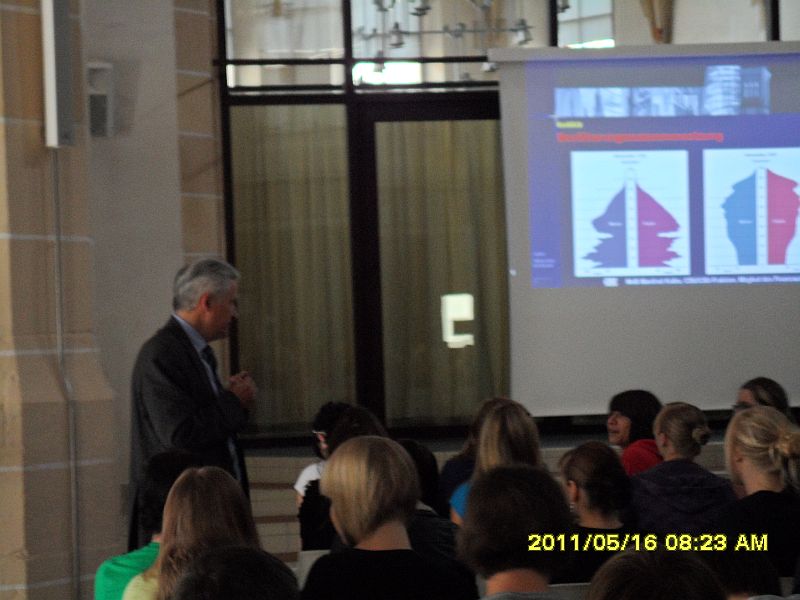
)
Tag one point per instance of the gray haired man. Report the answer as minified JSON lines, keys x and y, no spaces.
{"x":177,"y":397}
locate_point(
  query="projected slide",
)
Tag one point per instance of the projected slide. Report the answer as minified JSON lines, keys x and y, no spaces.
{"x":752,"y":203}
{"x":630,"y":213}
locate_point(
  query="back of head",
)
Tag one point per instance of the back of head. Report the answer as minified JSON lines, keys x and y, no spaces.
{"x":427,"y":469}
{"x":325,"y":420}
{"x":768,"y":392}
{"x":597,"y":470}
{"x":160,"y":473}
{"x":354,"y":421}
{"x":509,"y":435}
{"x":744,"y":574}
{"x":205,"y":508}
{"x":370,"y":481}
{"x":506,"y":505}
{"x":237,"y":573}
{"x":686,"y":427}
{"x":658,"y":575}
{"x":203,"y":276}
{"x":769,"y":440}
{"x":641,"y":407}
{"x":470,"y":448}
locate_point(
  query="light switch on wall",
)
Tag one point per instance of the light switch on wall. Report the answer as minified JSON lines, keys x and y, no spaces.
{"x":457,"y":307}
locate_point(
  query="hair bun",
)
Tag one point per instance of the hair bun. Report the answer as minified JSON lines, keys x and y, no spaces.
{"x":701,"y":434}
{"x":788,"y":444}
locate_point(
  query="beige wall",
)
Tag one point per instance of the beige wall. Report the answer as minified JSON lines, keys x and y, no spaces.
{"x":134,"y":189}
{"x":160,"y":170}
{"x":35,"y":529}
{"x":706,"y":22}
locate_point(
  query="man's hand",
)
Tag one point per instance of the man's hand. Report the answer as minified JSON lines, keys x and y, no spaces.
{"x":243,"y":386}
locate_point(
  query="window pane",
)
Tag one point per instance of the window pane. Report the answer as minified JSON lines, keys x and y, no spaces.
{"x":283,"y":29}
{"x":592,"y":8}
{"x":293,"y":248}
{"x":442,"y":233}
{"x":596,"y":28}
{"x":445,"y":27}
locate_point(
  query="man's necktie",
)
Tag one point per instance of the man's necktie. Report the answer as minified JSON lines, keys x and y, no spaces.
{"x":211,"y":360}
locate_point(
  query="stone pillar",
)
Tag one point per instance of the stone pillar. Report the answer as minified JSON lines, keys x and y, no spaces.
{"x":199,"y":136}
{"x":35,"y":519}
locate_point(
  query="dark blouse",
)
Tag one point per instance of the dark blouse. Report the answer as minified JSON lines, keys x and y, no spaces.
{"x":584,"y":564}
{"x":383,"y":575}
{"x":776,"y":514}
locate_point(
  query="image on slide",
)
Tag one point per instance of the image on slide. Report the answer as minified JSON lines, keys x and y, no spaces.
{"x":630,"y":213}
{"x":752,"y":204}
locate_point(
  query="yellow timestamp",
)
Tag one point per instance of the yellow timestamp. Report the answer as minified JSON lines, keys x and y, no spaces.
{"x":672,"y":542}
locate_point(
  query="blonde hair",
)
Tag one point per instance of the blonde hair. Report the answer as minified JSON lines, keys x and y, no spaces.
{"x":205,"y":509}
{"x":508,"y":436}
{"x":767,"y":438}
{"x":370,"y":481}
{"x":686,"y":427}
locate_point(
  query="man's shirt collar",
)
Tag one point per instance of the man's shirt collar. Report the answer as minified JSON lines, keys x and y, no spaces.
{"x":194,"y":336}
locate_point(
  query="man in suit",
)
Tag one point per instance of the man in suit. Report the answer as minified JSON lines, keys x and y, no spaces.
{"x":178,"y":400}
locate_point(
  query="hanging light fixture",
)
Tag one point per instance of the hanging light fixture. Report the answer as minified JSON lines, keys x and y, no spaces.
{"x":522,"y":32}
{"x":396,"y":36}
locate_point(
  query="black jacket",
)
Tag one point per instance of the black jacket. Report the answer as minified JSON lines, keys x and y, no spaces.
{"x":173,"y":405}
{"x":678,"y":496}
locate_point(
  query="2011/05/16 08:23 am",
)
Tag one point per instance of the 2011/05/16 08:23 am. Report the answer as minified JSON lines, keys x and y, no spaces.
{"x":618,"y":542}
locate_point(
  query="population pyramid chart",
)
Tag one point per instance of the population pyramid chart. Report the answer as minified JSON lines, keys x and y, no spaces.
{"x":752,"y":204}
{"x":630,"y":213}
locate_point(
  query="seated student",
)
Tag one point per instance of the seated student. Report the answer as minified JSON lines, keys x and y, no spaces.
{"x":762,"y":452}
{"x":372,"y":484}
{"x":506,"y":505}
{"x":160,"y":473}
{"x":598,"y":490}
{"x":316,"y":529}
{"x":508,"y":435}
{"x":763,"y":391}
{"x":236,"y":573}
{"x":630,"y":426}
{"x":679,"y":495}
{"x":459,"y":468}
{"x":323,"y":424}
{"x":206,"y":508}
{"x":743,"y":574}
{"x":658,"y":575}
{"x":431,"y":536}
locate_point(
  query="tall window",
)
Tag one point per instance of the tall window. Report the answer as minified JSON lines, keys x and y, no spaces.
{"x":586,"y":23}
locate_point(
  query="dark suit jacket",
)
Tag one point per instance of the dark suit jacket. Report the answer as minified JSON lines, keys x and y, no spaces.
{"x":173,"y":405}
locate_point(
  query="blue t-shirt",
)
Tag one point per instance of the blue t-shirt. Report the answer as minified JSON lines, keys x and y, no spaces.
{"x":458,"y":501}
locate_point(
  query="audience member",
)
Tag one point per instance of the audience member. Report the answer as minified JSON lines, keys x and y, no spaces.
{"x":763,"y":391}
{"x":160,"y":473}
{"x":432,"y":537}
{"x":762,"y":452}
{"x":459,"y":468}
{"x":744,"y":574}
{"x":237,"y":573}
{"x":206,"y":508}
{"x":598,"y":490}
{"x":373,"y":487}
{"x":324,"y":421}
{"x":316,"y":529}
{"x":678,"y":495}
{"x":509,"y":435}
{"x":506,"y":506}
{"x":658,"y":575}
{"x":630,"y":426}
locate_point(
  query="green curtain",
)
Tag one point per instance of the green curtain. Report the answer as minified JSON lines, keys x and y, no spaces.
{"x":442,"y":229}
{"x":293,"y":248}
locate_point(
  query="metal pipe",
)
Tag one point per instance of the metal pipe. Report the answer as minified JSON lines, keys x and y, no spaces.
{"x":66,"y":384}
